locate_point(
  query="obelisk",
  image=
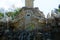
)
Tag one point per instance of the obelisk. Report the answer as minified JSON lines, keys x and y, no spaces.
{"x":29,"y":3}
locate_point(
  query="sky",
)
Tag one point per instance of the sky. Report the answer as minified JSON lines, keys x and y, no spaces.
{"x":44,"y":5}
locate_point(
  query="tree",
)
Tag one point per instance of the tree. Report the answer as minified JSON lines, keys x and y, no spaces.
{"x":9,"y":14}
{"x":17,"y":11}
{"x":57,"y":10}
{"x":13,"y":13}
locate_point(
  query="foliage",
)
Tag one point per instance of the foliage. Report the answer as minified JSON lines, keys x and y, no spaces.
{"x":9,"y":13}
{"x":30,"y":27}
{"x":1,"y":15}
{"x":14,"y":13}
{"x":17,"y":11}
{"x":59,"y":10}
